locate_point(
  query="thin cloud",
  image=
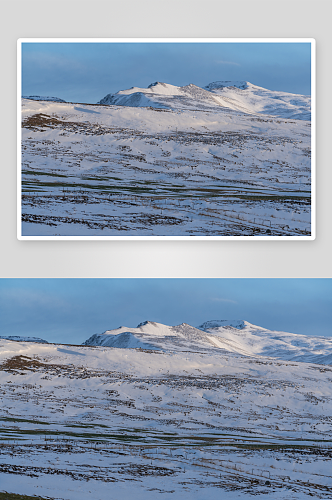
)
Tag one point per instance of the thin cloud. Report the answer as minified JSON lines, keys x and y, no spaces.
{"x":218,"y":299}
{"x":22,"y":297}
{"x":228,"y":62}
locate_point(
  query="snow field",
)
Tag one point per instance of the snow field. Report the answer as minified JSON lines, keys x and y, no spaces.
{"x":85,"y":420}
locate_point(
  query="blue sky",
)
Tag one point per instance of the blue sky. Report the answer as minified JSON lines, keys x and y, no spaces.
{"x":70,"y":310}
{"x":86,"y":72}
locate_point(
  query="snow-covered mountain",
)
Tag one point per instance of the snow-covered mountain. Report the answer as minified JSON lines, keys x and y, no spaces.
{"x":239,"y":96}
{"x":19,"y":338}
{"x":43,"y":98}
{"x":151,"y":335}
{"x":164,"y":95}
{"x":235,"y":336}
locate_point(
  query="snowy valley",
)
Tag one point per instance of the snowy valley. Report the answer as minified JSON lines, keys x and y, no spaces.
{"x":227,"y":160}
{"x":226,"y":409}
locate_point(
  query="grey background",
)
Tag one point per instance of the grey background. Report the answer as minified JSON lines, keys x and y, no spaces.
{"x":159,"y":18}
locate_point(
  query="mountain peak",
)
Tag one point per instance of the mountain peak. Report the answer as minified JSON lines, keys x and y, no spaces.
{"x":155,"y":84}
{"x":146,"y":323}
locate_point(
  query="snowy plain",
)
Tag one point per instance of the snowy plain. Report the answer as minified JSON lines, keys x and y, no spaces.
{"x":224,"y":160}
{"x":227,"y":409}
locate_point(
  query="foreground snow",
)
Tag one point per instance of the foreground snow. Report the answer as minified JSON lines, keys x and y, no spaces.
{"x":85,"y":422}
{"x":185,"y":162}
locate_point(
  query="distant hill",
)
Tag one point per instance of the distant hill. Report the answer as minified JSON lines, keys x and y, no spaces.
{"x":43,"y":98}
{"x":18,"y":338}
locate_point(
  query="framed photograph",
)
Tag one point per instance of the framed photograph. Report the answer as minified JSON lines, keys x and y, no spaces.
{"x":211,"y":389}
{"x":166,"y":139}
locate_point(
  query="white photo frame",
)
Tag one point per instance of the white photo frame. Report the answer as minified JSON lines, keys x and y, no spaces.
{"x":305,"y":235}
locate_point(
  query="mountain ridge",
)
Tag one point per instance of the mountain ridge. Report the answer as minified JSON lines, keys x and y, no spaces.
{"x":239,"y":96}
{"x":236,"y":337}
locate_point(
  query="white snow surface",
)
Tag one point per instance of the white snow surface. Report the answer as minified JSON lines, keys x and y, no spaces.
{"x":87,"y":422}
{"x":229,"y":336}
